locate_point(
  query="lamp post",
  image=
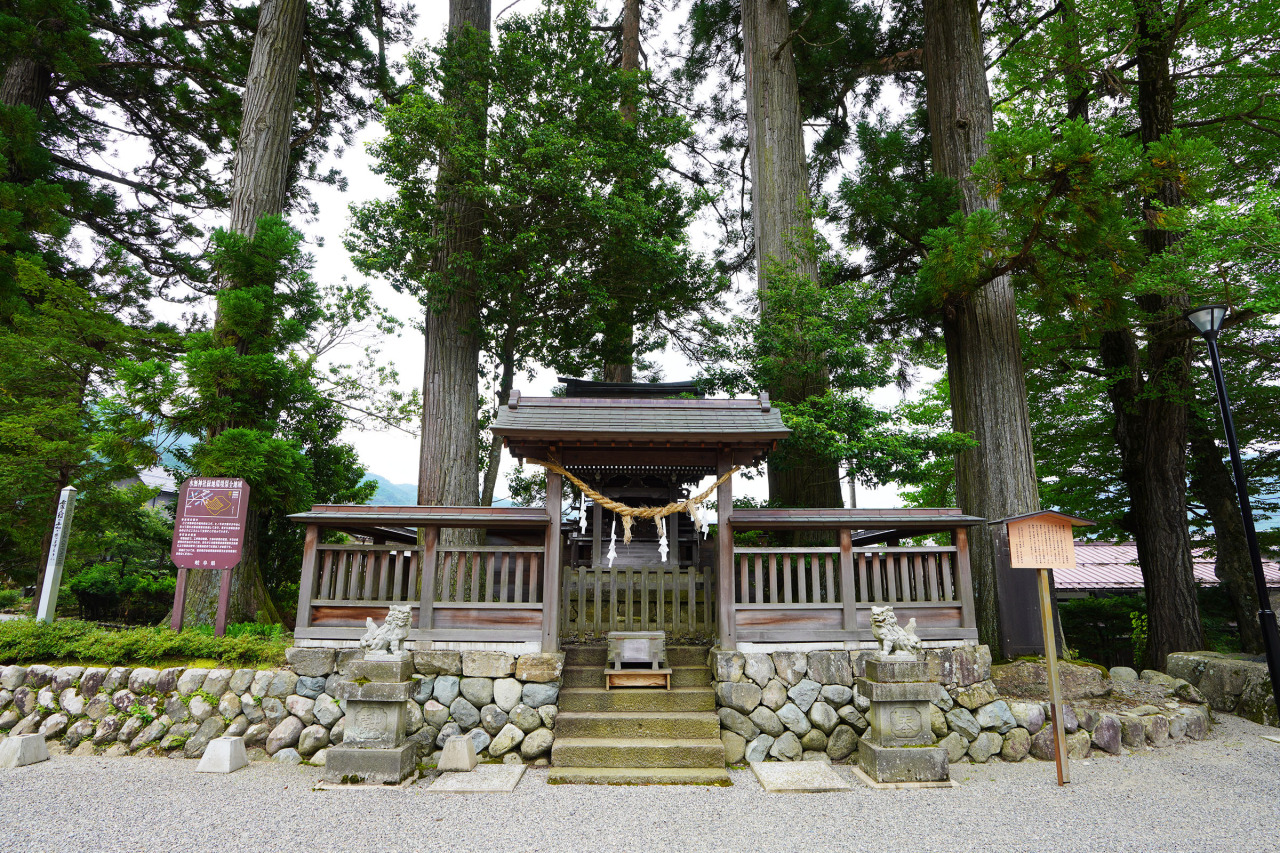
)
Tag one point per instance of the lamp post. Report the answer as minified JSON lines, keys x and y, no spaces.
{"x":1207,"y":320}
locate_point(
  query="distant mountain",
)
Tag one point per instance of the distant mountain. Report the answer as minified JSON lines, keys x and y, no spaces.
{"x":392,"y":494}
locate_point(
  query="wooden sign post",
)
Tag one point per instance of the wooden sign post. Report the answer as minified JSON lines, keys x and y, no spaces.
{"x":1043,"y":541}
{"x":208,"y":533}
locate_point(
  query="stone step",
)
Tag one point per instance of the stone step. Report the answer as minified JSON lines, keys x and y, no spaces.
{"x":597,"y":653}
{"x":637,"y":699}
{"x":698,"y":725}
{"x":645,"y":752}
{"x":639,"y":776}
{"x":593,"y":676}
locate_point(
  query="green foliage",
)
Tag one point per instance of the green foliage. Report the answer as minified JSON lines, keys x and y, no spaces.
{"x":106,"y":591}
{"x":811,"y":332}
{"x":29,"y":641}
{"x":10,"y":598}
{"x":583,"y":228}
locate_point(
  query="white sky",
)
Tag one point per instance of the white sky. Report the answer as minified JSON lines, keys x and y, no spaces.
{"x":394,"y":454}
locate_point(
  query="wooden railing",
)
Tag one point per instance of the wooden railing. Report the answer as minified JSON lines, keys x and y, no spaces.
{"x":679,"y":601}
{"x":820,"y":594}
{"x":474,"y":593}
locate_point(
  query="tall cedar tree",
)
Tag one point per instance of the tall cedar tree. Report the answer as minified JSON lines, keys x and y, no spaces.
{"x":996,"y":478}
{"x":448,"y":463}
{"x":781,"y":217}
{"x":574,"y":189}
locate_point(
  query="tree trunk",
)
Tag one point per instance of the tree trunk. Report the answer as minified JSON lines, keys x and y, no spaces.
{"x":505,"y":382}
{"x":997,"y":478}
{"x":259,"y":182}
{"x":1077,"y":74}
{"x":780,"y":215}
{"x":1149,"y":388}
{"x":1211,"y":482}
{"x":448,"y":474}
{"x":620,"y":330}
{"x":26,"y":84}
{"x":261,"y":175}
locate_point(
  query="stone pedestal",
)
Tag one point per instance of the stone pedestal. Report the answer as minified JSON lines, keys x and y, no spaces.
{"x":373,"y":748}
{"x":21,"y":750}
{"x":898,"y":746}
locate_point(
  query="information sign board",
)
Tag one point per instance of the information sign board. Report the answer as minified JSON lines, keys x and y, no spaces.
{"x":1041,"y":542}
{"x":208,"y":532}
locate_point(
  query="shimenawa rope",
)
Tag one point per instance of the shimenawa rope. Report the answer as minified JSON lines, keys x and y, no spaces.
{"x":630,"y":513}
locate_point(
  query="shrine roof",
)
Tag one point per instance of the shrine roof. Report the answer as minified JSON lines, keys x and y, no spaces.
{"x":622,"y":421}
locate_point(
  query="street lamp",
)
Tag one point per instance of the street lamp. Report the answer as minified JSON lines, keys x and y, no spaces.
{"x":1208,"y":322}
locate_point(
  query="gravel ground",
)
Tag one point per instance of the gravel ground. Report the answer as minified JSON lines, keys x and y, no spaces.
{"x":1218,"y":795}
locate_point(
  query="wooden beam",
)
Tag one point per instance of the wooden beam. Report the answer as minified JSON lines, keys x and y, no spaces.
{"x":725,"y":627}
{"x":848,"y":584}
{"x":426,"y":607}
{"x":306,"y":583}
{"x":551,"y":577}
{"x":964,"y":578}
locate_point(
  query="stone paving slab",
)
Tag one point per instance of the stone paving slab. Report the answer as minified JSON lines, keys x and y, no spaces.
{"x":485,"y":779}
{"x":862,"y":777}
{"x":798,"y":777}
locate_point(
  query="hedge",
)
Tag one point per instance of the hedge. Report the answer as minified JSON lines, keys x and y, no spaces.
{"x":72,"y":640}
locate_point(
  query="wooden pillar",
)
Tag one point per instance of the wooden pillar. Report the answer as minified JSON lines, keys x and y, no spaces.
{"x":964,"y":579}
{"x":848,"y":586}
{"x":427,"y":566}
{"x":180,"y":599}
{"x":551,"y":578}
{"x":307,"y":583}
{"x":725,"y":627}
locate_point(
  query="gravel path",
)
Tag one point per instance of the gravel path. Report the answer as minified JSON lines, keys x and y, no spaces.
{"x":1218,"y":795}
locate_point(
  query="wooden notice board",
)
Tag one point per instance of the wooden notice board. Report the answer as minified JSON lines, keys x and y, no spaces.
{"x":1043,"y":541}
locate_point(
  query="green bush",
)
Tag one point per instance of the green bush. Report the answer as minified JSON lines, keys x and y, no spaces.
{"x":106,"y":591}
{"x":10,"y":598}
{"x":30,"y":641}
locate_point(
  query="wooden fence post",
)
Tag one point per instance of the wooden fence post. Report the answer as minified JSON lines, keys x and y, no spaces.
{"x":725,"y":597}
{"x":551,"y":579}
{"x":964,"y":577}
{"x":848,"y":586}
{"x":426,"y":605}
{"x":306,"y":583}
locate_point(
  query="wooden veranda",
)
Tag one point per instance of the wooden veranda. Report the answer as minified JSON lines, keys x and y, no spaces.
{"x":537,"y":580}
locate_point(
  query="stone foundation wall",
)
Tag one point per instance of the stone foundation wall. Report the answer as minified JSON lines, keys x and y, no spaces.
{"x":792,"y":706}
{"x":506,"y":704}
{"x":1229,"y":683}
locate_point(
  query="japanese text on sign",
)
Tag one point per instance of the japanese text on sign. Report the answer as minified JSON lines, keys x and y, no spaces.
{"x":1041,"y":543}
{"x":208,"y":532}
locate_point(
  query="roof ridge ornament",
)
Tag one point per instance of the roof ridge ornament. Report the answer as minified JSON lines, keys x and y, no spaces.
{"x":765,"y":405}
{"x":514,"y":401}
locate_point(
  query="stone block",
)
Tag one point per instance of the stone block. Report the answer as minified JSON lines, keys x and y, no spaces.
{"x":970,"y":665}
{"x":976,"y":695}
{"x":804,"y":693}
{"x":65,"y":677}
{"x":92,"y":680}
{"x":373,"y":725}
{"x":735,"y":722}
{"x":957,"y":747}
{"x":209,"y":729}
{"x":1106,"y":734}
{"x":1156,"y":729}
{"x":488,"y":664}
{"x":381,"y":671}
{"x":735,"y":747}
{"x":536,"y":744}
{"x":837,"y":695}
{"x":842,"y":743}
{"x":888,"y":764}
{"x":21,"y":750}
{"x":312,"y":740}
{"x":536,"y":695}
{"x":996,"y":715}
{"x":548,"y":713}
{"x":116,"y":678}
{"x":1078,"y":745}
{"x":309,"y":686}
{"x":758,"y":667}
{"x":984,"y":746}
{"x":218,"y":681}
{"x":790,"y":666}
{"x":823,"y":717}
{"x":1017,"y":745}
{"x":285,"y":735}
{"x":758,"y":749}
{"x":766,"y":721}
{"x":223,"y":755}
{"x":507,"y":739}
{"x":241,"y":681}
{"x":830,"y":668}
{"x":915,"y":691}
{"x":477,"y":690}
{"x":727,"y":666}
{"x":423,"y":688}
{"x":438,"y":663}
{"x":506,"y":692}
{"x":1030,"y":678}
{"x":282,"y":684}
{"x":312,"y":662}
{"x":1122,"y":674}
{"x":375,"y":691}
{"x":894,"y":724}
{"x":347,"y":766}
{"x":1028,"y":715}
{"x":541,"y":668}
{"x":459,"y":755}
{"x":464,"y":713}
{"x":814,"y":741}
{"x":774,"y":695}
{"x":794,"y":719}
{"x":12,"y":677}
{"x":787,"y":747}
{"x":446,"y":689}
{"x":895,"y":669}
